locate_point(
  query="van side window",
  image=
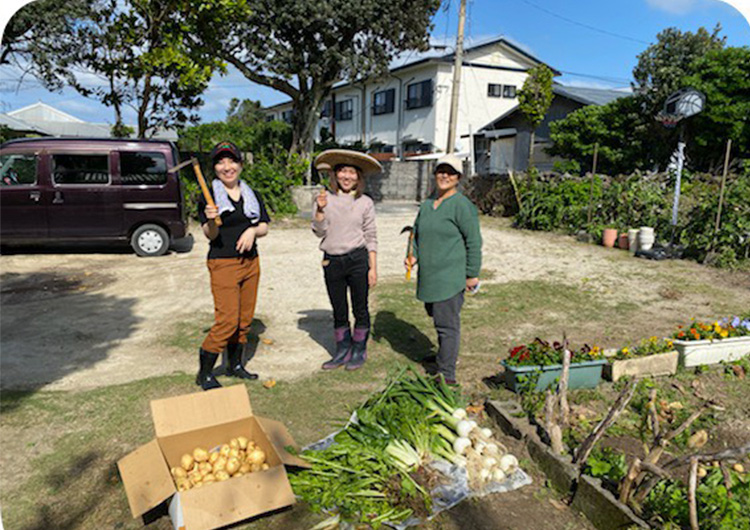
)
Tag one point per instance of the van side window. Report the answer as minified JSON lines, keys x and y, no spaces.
{"x":18,"y":169}
{"x":143,"y":168}
{"x":80,"y":169}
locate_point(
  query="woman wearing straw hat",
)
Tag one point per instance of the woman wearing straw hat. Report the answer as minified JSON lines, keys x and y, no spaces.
{"x":344,"y":220}
{"x":232,"y":262}
{"x":447,"y":247}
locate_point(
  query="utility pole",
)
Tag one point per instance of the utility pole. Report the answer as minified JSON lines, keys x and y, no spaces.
{"x":453,"y":123}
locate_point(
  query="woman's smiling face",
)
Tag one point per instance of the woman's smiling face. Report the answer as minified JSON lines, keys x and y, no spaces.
{"x":347,"y":178}
{"x":228,"y":170}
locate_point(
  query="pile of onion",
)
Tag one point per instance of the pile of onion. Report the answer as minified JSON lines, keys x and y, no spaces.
{"x":485,"y":458}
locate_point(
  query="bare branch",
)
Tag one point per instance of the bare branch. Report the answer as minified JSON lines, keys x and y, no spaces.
{"x":588,"y":444}
{"x":692,"y":503}
{"x":252,"y":75}
{"x":562,"y":390}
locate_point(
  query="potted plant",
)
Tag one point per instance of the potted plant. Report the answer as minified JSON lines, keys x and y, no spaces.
{"x":650,"y":357}
{"x":543,"y":361}
{"x":702,"y":343}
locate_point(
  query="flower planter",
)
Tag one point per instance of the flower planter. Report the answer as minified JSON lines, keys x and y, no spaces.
{"x":697,"y":352}
{"x":649,"y":365}
{"x":582,"y":375}
{"x":609,"y":236}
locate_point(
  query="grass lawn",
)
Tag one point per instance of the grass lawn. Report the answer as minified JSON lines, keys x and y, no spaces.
{"x":58,"y":466}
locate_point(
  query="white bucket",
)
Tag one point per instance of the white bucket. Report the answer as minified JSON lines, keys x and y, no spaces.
{"x":633,"y":240}
{"x":645,"y":238}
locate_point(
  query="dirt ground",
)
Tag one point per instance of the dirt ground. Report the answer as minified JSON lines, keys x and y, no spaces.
{"x":82,"y":318}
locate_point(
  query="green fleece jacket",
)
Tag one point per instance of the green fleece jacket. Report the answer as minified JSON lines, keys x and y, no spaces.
{"x":448,"y":247}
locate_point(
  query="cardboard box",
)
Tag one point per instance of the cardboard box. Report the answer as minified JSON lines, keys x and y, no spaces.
{"x":208,"y":419}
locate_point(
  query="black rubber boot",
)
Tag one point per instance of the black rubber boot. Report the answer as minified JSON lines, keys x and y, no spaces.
{"x":205,"y":378}
{"x":343,"y":337}
{"x":234,"y":358}
{"x":359,"y":349}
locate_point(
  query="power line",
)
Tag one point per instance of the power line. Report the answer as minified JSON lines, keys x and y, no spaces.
{"x":602,"y":77}
{"x":583,"y":25}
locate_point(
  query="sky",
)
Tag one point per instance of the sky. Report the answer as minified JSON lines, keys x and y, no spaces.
{"x":594,"y":43}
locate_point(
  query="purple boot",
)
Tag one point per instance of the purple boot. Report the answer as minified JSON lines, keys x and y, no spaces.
{"x":343,"y":353}
{"x":359,"y":349}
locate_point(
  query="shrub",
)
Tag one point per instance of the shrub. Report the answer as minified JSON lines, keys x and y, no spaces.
{"x":555,"y":202}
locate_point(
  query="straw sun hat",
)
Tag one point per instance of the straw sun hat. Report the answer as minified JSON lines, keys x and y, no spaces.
{"x":327,"y":160}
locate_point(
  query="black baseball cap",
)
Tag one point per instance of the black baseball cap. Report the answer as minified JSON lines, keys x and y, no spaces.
{"x":226,"y":148}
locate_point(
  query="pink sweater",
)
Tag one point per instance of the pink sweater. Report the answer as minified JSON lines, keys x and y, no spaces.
{"x":349,"y":224}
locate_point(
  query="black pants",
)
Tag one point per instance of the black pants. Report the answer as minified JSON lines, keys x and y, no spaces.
{"x":348,"y":271}
{"x":447,"y":318}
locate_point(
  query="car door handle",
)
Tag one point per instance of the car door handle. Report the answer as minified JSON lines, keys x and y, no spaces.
{"x":58,"y":198}
{"x":35,"y":196}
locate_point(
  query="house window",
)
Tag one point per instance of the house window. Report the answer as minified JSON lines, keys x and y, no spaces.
{"x":325,"y":112}
{"x":143,"y":168}
{"x":419,"y":95}
{"x":344,"y":110}
{"x":270,"y":117}
{"x":509,"y":91}
{"x":494,"y":91}
{"x":286,"y":116}
{"x":384,"y":102}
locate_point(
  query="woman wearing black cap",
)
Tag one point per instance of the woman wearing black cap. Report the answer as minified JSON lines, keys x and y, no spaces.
{"x":232,"y":262}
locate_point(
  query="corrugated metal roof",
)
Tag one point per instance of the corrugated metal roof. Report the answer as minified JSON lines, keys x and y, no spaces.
{"x":589,"y":96}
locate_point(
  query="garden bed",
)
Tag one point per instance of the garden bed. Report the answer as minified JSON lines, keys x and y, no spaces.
{"x":700,"y":352}
{"x":648,"y":366}
{"x":582,"y":375}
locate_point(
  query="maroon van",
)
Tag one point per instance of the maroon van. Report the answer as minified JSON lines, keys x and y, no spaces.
{"x":75,"y":189}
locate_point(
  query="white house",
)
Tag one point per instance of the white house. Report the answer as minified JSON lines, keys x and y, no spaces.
{"x":407,"y":111}
{"x":40,"y":118}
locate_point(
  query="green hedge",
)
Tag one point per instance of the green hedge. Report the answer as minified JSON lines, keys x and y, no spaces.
{"x":560,"y":203}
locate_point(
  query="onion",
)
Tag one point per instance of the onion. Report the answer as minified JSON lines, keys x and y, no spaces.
{"x":492,"y":449}
{"x":488,"y":462}
{"x":464,"y":427}
{"x":461,"y":445}
{"x":484,"y":474}
{"x":508,"y":463}
{"x":460,"y":461}
{"x":459,"y":414}
{"x":480,"y":447}
{"x":498,"y":475}
{"x":487,"y":433}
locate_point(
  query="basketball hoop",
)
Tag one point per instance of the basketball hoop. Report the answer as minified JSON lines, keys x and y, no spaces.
{"x":684,"y":103}
{"x":668,"y":120}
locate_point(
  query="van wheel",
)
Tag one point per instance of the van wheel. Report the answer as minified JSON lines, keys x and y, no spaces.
{"x":150,"y":240}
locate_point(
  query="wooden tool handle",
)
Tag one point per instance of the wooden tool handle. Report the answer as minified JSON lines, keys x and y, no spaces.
{"x":204,"y":188}
{"x":409,"y":256}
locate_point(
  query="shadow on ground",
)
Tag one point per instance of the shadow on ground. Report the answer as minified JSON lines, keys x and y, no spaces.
{"x":318,"y":323}
{"x":74,"y":326}
{"x":403,"y":337}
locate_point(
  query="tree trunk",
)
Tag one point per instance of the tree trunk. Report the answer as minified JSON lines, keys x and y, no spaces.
{"x":143,"y":107}
{"x":531,"y":151}
{"x":304,"y":122}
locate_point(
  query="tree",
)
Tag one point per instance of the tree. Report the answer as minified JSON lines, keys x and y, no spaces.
{"x":135,"y":50}
{"x":302,"y":48}
{"x":246,"y":112}
{"x":35,"y":26}
{"x":534,"y":100}
{"x":722,"y":75}
{"x":629,"y":136}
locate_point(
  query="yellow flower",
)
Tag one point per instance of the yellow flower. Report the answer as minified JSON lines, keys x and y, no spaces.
{"x":670,"y":343}
{"x":724,"y":333}
{"x":625,"y":351}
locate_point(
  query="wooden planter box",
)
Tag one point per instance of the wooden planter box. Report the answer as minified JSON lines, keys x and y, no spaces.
{"x":582,"y":375}
{"x":650,"y":365}
{"x":697,"y":352}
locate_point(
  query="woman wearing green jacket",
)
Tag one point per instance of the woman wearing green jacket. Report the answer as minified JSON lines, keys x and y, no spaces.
{"x":447,"y":248}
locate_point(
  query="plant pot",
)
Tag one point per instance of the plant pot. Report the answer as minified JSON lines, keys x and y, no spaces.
{"x":582,"y":375}
{"x":650,"y":365}
{"x":645,"y":238}
{"x":633,"y":240}
{"x":623,"y":242}
{"x":609,"y":237}
{"x":698,"y":352}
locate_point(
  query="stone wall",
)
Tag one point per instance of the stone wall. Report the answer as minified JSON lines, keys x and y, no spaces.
{"x":406,"y":181}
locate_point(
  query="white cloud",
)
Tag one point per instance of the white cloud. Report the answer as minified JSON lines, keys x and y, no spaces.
{"x":676,"y":7}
